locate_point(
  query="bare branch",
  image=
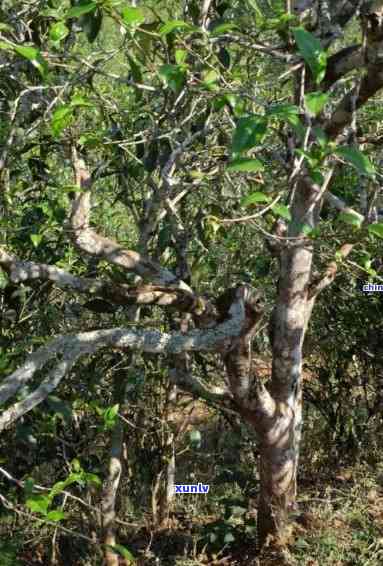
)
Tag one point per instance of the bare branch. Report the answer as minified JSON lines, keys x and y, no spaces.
{"x":341,"y":63}
{"x":88,"y":241}
{"x":340,"y":205}
{"x":119,"y":294}
{"x":197,"y":387}
{"x":324,"y":281}
{"x":71,"y":347}
{"x":372,"y":82}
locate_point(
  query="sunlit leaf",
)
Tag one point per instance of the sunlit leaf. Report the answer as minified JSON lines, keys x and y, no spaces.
{"x":78,"y":100}
{"x":181,"y":56}
{"x":376,"y":229}
{"x":111,"y":416}
{"x":249,"y":132}
{"x":122,"y":551}
{"x":255,"y":198}
{"x":34,"y":56}
{"x":351,"y":218}
{"x":4,"y":280}
{"x":250,"y":165}
{"x":56,"y":515}
{"x":173,"y":75}
{"x":312,"y":52}
{"x":174,"y":25}
{"x":38,"y":504}
{"x":36,"y":239}
{"x":315,"y":102}
{"x":223,"y":28}
{"x":356,"y":158}
{"x":78,"y":11}
{"x":133,"y":16}
{"x":58,"y":31}
{"x":61,"y":118}
{"x":282,"y":210}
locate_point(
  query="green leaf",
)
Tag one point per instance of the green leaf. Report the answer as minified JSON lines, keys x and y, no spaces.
{"x":210,"y":77}
{"x":91,"y":24}
{"x":122,"y":551}
{"x":38,"y":504}
{"x":36,"y":239}
{"x":223,"y":28}
{"x":92,"y":479}
{"x":6,"y":46}
{"x":133,"y":16}
{"x":286,"y":111}
{"x":315,"y":102}
{"x":282,"y":210}
{"x":78,"y":11}
{"x":312,"y":52}
{"x":255,"y":198}
{"x":181,"y":56}
{"x":289,"y":113}
{"x":56,"y":515}
{"x":376,"y":229}
{"x":249,"y":132}
{"x":195,"y":438}
{"x":244,"y":164}
{"x":4,"y":280}
{"x":175,"y":25}
{"x":5,"y":27}
{"x":75,"y":465}
{"x":34,"y":56}
{"x":60,"y":407}
{"x":58,"y":31}
{"x":351,"y":218}
{"x":111,"y":416}
{"x":256,"y":8}
{"x":62,"y":116}
{"x":58,"y":488}
{"x":173,"y":76}
{"x":228,"y":538}
{"x":78,"y":100}
{"x":356,"y":158}
{"x":321,"y":136}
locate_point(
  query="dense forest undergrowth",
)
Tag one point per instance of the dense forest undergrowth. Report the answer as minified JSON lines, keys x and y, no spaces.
{"x":191,"y":276}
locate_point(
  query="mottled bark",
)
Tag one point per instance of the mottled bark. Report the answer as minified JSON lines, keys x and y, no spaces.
{"x":108,"y":501}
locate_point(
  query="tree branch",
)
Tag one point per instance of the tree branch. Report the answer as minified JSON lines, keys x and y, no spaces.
{"x":88,"y":241}
{"x":320,"y":283}
{"x":71,"y":347}
{"x":119,"y":294}
{"x":341,"y":63}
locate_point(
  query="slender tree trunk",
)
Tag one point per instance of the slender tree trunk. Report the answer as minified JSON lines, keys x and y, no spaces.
{"x":108,"y":504}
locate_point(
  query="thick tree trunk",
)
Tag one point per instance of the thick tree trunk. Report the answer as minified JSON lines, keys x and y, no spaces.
{"x":280,"y":441}
{"x":277,"y":497}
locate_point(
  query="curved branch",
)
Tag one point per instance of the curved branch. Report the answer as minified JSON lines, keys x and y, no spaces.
{"x":342,"y":115}
{"x":119,"y":294}
{"x":87,"y":240}
{"x":372,"y":82}
{"x":198,"y":388}
{"x":341,"y":63}
{"x":71,"y":347}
